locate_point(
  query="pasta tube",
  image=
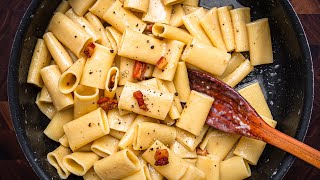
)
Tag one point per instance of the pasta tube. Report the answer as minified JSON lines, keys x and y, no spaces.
{"x":181,"y":82}
{"x":212,"y":60}
{"x":112,"y":82}
{"x":170,"y":32}
{"x":239,"y":74}
{"x":198,"y":105}
{"x":189,"y":140}
{"x":59,"y":54}
{"x":157,"y":102}
{"x":182,"y":151}
{"x":260,"y":44}
{"x":50,"y":76}
{"x":126,"y":70}
{"x":83,"y":23}
{"x":69,"y":34}
{"x":47,"y":109}
{"x":154,"y":174}
{"x":120,"y":123}
{"x":79,"y":163}
{"x":146,"y":133}
{"x":234,"y":63}
{"x":192,"y":23}
{"x":219,"y":143}
{"x":173,"y":112}
{"x":64,"y":141}
{"x":54,"y":130}
{"x":121,"y":18}
{"x":105,"y":146}
{"x":176,"y":167}
{"x":96,"y":23}
{"x":254,"y":95}
{"x":176,"y":15}
{"x":91,"y":175}
{"x":157,"y":12}
{"x":172,"y":89}
{"x":70,"y":79}
{"x":226,"y":27}
{"x":40,"y":59}
{"x":80,"y":7}
{"x":55,"y":158}
{"x":85,"y":100}
{"x":234,"y":168}
{"x":100,"y":7}
{"x":85,"y":148}
{"x":141,"y":47}
{"x":251,"y":149}
{"x":137,"y":5}
{"x":117,"y":134}
{"x":191,"y":2}
{"x":210,"y":24}
{"x":45,"y":96}
{"x":210,"y":165}
{"x":193,"y":173}
{"x":118,"y":165}
{"x":171,"y":2}
{"x":189,"y":9}
{"x":86,"y":128}
{"x":97,"y":66}
{"x":116,"y":35}
{"x":240,"y":17}
{"x":63,"y":7}
{"x":127,"y":140}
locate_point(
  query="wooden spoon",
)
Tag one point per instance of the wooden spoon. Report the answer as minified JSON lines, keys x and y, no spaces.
{"x":231,"y":113}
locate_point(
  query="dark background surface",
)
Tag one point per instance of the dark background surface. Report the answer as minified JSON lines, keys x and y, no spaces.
{"x":13,"y":164}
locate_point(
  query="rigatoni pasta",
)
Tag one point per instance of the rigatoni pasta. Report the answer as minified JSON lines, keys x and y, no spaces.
{"x":118,"y":88}
{"x":121,"y":18}
{"x":97,"y":66}
{"x":50,"y":76}
{"x":85,"y":100}
{"x":260,"y":42}
{"x":213,"y":60}
{"x":41,"y":58}
{"x":70,"y":79}
{"x":86,"y":128}
{"x":54,"y":129}
{"x":118,"y":165}
{"x":55,"y":158}
{"x":59,"y":54}
{"x":69,"y":34}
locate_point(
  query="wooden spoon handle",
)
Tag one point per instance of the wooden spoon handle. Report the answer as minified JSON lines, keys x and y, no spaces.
{"x":291,"y":145}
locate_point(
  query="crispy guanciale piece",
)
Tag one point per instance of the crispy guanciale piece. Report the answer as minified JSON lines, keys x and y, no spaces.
{"x":162,"y":157}
{"x":162,"y":63}
{"x":112,"y":81}
{"x":139,"y":69}
{"x":201,"y":152}
{"x":107,"y":104}
{"x":139,"y":97}
{"x":149,"y":27}
{"x":88,"y":51}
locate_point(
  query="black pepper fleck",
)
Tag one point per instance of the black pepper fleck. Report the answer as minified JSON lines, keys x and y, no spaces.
{"x":152,"y":46}
{"x":176,"y":94}
{"x":111,"y":50}
{"x":89,"y":124}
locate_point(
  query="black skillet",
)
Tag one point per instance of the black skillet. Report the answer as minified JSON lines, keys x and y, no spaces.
{"x":288,"y":83}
